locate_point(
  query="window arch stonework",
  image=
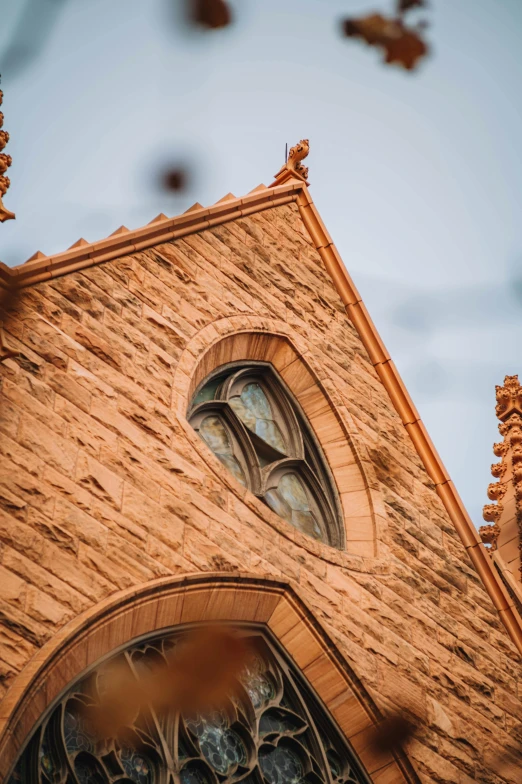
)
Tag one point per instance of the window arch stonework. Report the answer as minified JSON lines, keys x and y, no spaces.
{"x":270,"y":729}
{"x":254,"y":426}
{"x":270,"y":607}
{"x":300,"y":367}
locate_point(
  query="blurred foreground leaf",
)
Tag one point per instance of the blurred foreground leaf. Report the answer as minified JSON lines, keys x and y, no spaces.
{"x":401,"y":44}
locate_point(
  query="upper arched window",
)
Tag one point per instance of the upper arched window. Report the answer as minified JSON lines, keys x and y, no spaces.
{"x":247,"y":417}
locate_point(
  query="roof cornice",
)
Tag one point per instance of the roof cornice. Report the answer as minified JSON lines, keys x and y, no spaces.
{"x":123,"y":241}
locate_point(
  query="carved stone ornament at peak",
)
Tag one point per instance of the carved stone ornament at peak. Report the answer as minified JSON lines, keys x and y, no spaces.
{"x":293,"y":166}
{"x":509,"y":398}
{"x":489,"y":535}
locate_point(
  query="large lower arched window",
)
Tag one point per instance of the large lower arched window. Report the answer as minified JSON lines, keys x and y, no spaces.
{"x":271,"y":730}
{"x":251,"y":422}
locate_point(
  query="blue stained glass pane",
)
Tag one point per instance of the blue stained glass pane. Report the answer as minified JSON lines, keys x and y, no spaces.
{"x":213,"y":432}
{"x":244,"y":414}
{"x":278,"y":505}
{"x":259,"y":687}
{"x":234,"y":467}
{"x":269,"y":431}
{"x":137,"y":766}
{"x":192,"y":774}
{"x":281,"y":766}
{"x":77,"y":734}
{"x":220,"y":746}
{"x":255,"y":399}
{"x":278,"y":721}
{"x":292,"y":490}
{"x":306,"y":522}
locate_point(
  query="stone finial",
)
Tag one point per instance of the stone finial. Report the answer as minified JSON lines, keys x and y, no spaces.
{"x":293,"y":168}
{"x":509,"y":398}
{"x":5,"y":162}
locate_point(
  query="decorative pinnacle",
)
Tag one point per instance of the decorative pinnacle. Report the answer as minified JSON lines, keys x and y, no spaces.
{"x":5,"y":162}
{"x":509,"y":398}
{"x":293,"y":168}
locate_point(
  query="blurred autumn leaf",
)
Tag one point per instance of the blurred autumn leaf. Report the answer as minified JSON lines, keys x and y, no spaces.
{"x":211,"y":14}
{"x":408,"y":5}
{"x":391,"y":733}
{"x":401,"y":44}
{"x":174,"y":179}
{"x":200,"y":676}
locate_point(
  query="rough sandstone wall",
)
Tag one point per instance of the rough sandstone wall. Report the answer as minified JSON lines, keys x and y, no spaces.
{"x":100,"y":489}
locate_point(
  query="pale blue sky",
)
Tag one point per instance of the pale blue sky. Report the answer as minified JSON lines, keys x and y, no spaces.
{"x":417,"y":176}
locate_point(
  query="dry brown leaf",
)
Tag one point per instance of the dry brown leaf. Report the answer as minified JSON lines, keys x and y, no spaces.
{"x":211,"y":14}
{"x":391,"y":733}
{"x":401,"y":44}
{"x":175,"y":179}
{"x":199,"y":677}
{"x":407,"y":5}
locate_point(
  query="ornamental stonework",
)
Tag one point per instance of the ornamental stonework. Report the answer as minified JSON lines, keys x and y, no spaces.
{"x":506,"y":510}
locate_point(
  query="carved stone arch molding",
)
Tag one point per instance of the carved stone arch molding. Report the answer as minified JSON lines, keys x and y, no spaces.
{"x":135,"y":614}
{"x":298,"y":363}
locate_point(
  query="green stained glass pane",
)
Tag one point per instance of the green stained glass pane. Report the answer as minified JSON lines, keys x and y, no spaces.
{"x":244,"y":414}
{"x":278,"y":505}
{"x":279,"y":721}
{"x":269,"y":432}
{"x":292,"y":490}
{"x":306,"y":522}
{"x":221,"y":747}
{"x":256,"y":401}
{"x":213,"y":432}
{"x":281,"y":765}
{"x":137,"y":766}
{"x":230,"y":462}
{"x":207,"y":392}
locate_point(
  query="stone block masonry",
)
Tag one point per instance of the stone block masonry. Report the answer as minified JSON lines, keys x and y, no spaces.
{"x":101,"y":487}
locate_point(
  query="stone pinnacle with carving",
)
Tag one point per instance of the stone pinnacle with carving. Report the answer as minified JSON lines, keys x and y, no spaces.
{"x":5,"y":162}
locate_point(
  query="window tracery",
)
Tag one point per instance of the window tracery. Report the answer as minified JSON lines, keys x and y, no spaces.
{"x":249,"y":420}
{"x":271,"y":730}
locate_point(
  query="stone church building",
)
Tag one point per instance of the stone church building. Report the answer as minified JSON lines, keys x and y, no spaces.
{"x":199,"y":422}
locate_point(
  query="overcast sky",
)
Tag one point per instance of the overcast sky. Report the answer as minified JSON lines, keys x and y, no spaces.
{"x":417,"y":176}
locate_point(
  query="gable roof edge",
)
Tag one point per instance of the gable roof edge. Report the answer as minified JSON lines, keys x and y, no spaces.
{"x":403,"y":404}
{"x":80,"y":256}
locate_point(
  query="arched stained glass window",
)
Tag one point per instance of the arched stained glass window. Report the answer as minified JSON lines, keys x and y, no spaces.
{"x":248,"y":418}
{"x":272,"y":730}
